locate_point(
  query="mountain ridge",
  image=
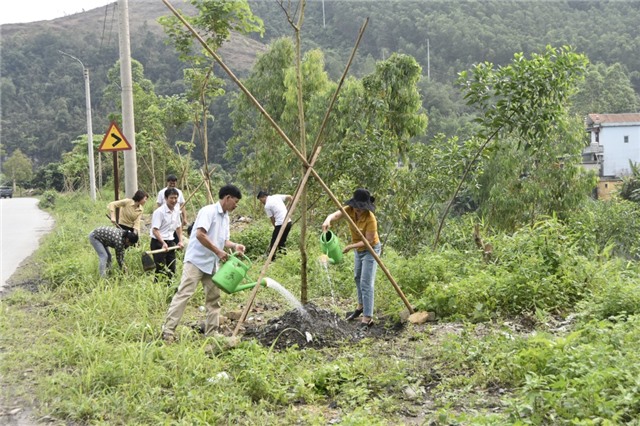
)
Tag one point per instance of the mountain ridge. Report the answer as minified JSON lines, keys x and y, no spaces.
{"x":240,"y":51}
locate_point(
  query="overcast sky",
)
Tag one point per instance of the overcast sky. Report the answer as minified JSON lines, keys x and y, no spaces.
{"x":22,"y":11}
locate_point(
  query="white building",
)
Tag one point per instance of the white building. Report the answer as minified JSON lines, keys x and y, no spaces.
{"x":615,"y":140}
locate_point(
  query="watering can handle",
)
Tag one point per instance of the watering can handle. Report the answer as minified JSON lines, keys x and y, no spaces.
{"x":241,"y":256}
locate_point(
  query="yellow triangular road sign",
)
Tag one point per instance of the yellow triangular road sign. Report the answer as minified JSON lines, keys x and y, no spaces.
{"x":114,"y":140}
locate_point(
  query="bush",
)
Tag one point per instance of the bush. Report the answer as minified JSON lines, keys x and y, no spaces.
{"x":586,"y":377}
{"x":255,"y":238}
{"x":591,"y":374}
{"x":607,"y":226}
{"x":48,"y":200}
{"x":617,"y":296}
{"x":537,"y":268}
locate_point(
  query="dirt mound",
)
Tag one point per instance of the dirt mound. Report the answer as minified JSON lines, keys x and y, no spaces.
{"x":315,"y":328}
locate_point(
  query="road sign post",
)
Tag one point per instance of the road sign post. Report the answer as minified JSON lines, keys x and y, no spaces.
{"x":114,"y":141}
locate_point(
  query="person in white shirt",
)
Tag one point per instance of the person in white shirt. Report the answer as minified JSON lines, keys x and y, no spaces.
{"x":274,"y":206}
{"x":201,"y":259}
{"x":172,"y":181}
{"x":165,"y":226}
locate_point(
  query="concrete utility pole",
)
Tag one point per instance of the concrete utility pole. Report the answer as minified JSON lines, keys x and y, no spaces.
{"x":87,"y":93}
{"x":128,"y":123}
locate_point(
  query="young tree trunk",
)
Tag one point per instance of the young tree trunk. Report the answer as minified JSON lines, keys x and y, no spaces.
{"x":303,"y":149}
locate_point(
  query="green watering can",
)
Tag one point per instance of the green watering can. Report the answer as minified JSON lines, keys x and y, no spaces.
{"x":331,"y":247}
{"x":232,"y":273}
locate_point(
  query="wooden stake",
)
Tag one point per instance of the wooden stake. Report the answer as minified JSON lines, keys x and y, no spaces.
{"x":297,"y":152}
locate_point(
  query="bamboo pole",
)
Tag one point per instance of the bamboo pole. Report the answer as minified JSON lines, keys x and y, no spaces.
{"x":240,"y":85}
{"x":317,"y":146}
{"x":205,"y":178}
{"x":302,"y":158}
{"x":207,"y":186}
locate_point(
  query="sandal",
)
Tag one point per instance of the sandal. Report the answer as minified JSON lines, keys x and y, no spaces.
{"x":355,"y":314}
{"x":364,"y":326}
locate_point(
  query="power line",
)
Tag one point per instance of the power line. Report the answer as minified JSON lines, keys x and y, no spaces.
{"x":113,"y":14}
{"x":104,"y":25}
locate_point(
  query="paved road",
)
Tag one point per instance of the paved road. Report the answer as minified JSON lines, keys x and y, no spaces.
{"x":22,"y":224}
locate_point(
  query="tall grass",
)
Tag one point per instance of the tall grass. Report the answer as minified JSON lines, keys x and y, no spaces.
{"x":88,"y":351}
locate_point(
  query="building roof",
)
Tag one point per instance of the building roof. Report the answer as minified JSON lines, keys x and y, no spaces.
{"x":613,"y":119}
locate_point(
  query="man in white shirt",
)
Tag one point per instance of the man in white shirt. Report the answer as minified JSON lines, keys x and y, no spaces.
{"x":165,"y":226}
{"x":274,"y":206}
{"x":172,"y":181}
{"x":201,"y":259}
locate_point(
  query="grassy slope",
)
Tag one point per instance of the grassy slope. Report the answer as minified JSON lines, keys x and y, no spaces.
{"x":87,"y":351}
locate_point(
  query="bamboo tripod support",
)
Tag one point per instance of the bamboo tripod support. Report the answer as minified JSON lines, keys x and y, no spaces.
{"x":308,"y":165}
{"x":205,"y":178}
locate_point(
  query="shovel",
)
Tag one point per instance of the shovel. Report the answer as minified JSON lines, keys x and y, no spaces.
{"x":148,"y":263}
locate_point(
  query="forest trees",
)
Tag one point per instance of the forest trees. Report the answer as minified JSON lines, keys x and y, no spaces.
{"x":371,"y":128}
{"x":73,"y":166}
{"x":215,"y":22}
{"x":155,"y":117}
{"x":264,"y":161}
{"x":17,"y":168}
{"x":605,"y":90}
{"x":395,"y":101}
{"x":373,"y":125}
{"x":43,"y":104}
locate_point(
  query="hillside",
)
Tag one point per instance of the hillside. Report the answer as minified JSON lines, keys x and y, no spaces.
{"x":102,"y":24}
{"x":43,"y":97}
{"x":43,"y":93}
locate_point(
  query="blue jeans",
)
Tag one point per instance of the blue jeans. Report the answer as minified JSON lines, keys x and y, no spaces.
{"x":104,"y":256}
{"x":365,"y":276}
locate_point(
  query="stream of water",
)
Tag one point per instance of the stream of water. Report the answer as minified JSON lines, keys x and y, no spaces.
{"x":293,"y":301}
{"x":324,"y":262}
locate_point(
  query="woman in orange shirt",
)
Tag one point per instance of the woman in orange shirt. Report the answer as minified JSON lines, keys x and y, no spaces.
{"x":360,"y":209}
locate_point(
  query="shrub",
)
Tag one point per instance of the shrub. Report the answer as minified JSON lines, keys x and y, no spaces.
{"x":537,"y":268}
{"x":48,"y":200}
{"x":618,"y":295}
{"x":255,"y":238}
{"x":610,"y":226}
{"x":590,"y":374}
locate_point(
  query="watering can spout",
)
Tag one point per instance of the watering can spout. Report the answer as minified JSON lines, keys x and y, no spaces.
{"x":249,"y":286}
{"x":324,"y":259}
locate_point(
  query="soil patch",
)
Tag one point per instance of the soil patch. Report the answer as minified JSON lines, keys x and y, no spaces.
{"x":317,"y":328}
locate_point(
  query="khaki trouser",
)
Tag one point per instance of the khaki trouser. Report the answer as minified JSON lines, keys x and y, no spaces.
{"x":191,"y":275}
